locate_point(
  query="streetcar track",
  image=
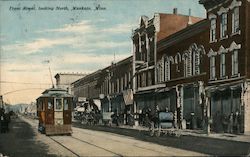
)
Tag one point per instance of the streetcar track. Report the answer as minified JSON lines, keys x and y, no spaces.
{"x":135,"y":145}
{"x":96,"y":146}
{"x":64,"y":146}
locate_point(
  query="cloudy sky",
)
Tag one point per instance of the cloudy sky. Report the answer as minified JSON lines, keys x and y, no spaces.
{"x":72,"y":40}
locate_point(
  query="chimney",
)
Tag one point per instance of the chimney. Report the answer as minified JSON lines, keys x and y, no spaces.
{"x":175,"y":11}
{"x":189,"y":18}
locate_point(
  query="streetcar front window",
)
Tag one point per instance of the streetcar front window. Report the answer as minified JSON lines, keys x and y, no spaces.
{"x":66,"y":104}
{"x":50,"y":104}
{"x":58,"y":104}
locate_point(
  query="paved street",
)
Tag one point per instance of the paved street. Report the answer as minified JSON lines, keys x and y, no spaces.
{"x":24,"y":140}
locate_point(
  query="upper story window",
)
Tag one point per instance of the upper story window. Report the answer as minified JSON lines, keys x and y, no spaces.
{"x":196,"y":62}
{"x":234,"y":49}
{"x":222,"y":65}
{"x":167,"y":69}
{"x":188,"y":64}
{"x":235,"y":20}
{"x":212,"y":67}
{"x":213,"y":30}
{"x":235,"y":62}
{"x":211,"y":54}
{"x":223,"y":25}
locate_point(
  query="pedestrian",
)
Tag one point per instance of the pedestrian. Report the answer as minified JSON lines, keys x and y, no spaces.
{"x":1,"y":120}
{"x":237,"y":122}
{"x":231,"y":120}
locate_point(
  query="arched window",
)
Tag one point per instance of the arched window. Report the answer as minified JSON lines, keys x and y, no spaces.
{"x":187,"y":63}
{"x":167,"y":69}
{"x":196,"y":61}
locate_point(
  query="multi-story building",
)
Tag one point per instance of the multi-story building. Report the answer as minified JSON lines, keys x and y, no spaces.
{"x":145,"y":43}
{"x":112,"y":86}
{"x":181,"y":68}
{"x":88,"y":86}
{"x":228,"y":87}
{"x":116,"y":88}
{"x":64,"y":80}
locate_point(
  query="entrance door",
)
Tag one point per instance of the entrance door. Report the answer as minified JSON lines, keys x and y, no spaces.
{"x":58,"y":111}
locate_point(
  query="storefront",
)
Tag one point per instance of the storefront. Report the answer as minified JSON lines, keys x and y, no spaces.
{"x":227,"y":111}
{"x":192,"y":109}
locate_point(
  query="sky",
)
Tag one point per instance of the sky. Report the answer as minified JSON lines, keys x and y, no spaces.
{"x":32,"y":40}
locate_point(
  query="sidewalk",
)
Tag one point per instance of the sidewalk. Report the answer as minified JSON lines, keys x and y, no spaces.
{"x":200,"y":133}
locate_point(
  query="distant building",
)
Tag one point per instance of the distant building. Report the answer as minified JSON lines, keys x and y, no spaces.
{"x":64,"y":80}
{"x":1,"y":101}
{"x":112,"y":86}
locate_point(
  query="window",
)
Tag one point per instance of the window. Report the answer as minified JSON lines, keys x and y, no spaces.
{"x":213,"y":30}
{"x":196,"y":69}
{"x":223,"y":25}
{"x":235,"y":62}
{"x":50,"y":104}
{"x":212,"y":67}
{"x":66,"y":104}
{"x":222,"y":65}
{"x":188,"y":65}
{"x":40,"y":105}
{"x":121,"y":85}
{"x":161,"y":70}
{"x":117,"y":85}
{"x":167,"y":69}
{"x":235,"y":20}
{"x":58,"y":104}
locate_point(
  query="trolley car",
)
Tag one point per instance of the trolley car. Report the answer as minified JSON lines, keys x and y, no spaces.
{"x":54,"y":112}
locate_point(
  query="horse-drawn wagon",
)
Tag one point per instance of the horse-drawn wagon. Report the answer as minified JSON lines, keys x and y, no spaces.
{"x":164,"y":125}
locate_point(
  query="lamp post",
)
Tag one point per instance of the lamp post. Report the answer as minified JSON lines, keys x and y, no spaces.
{"x":109,"y":89}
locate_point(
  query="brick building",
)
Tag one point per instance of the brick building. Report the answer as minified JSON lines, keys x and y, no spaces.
{"x":111,"y":85}
{"x":181,"y":67}
{"x":116,"y":88}
{"x":146,"y":39}
{"x":229,"y":63}
{"x":199,"y":69}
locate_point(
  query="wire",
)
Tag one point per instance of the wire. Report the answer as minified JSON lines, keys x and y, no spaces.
{"x":25,"y":83}
{"x":22,"y":90}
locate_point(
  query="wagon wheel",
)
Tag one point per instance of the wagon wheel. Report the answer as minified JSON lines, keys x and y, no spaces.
{"x":151,"y":129}
{"x":178,"y":134}
{"x":151,"y":132}
{"x":158,"y":133}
